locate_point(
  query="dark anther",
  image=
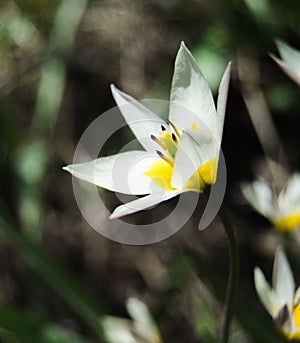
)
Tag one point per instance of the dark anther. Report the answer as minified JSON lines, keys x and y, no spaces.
{"x":174,"y":137}
{"x":159,"y":153}
{"x":163,"y":128}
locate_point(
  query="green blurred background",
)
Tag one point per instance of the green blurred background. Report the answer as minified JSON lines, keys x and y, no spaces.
{"x":58,"y":277}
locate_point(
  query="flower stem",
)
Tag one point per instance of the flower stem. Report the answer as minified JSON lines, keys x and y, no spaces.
{"x":233,"y":275}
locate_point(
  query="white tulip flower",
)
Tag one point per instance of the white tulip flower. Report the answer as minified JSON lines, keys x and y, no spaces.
{"x":280,"y":300}
{"x":180,"y":155}
{"x":290,"y":62}
{"x":141,"y":329}
{"x":283,"y":211}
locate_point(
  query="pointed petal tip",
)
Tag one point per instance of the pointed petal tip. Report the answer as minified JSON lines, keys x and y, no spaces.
{"x":116,"y":92}
{"x":113,"y":88}
{"x":226,"y":74}
{"x":255,"y":269}
{"x":257,"y":273}
{"x":227,"y":70}
{"x":276,"y":59}
{"x":229,"y":65}
{"x":183,"y":48}
{"x":280,"y":44}
{"x":118,"y":212}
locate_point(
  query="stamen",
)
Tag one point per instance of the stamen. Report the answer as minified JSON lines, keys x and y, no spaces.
{"x":158,"y":141}
{"x":165,"y":158}
{"x":175,"y":139}
{"x":175,"y":129}
{"x":163,"y":128}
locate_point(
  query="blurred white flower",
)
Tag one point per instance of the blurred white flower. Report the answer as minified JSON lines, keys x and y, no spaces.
{"x":180,"y":155}
{"x":290,"y":60}
{"x":141,"y":329}
{"x":281,"y":301}
{"x":283,"y":210}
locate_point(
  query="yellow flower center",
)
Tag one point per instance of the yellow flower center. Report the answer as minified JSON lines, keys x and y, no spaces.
{"x":161,"y":171}
{"x":289,"y":223}
{"x":296,"y":315}
{"x":296,"y":324}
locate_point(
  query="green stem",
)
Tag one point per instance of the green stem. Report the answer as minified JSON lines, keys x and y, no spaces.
{"x":233,"y":275}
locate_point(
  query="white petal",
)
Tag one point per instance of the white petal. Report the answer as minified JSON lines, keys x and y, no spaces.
{"x":143,"y":203}
{"x":259,"y":195}
{"x":194,"y":149}
{"x":141,"y":120}
{"x":191,"y":91}
{"x":264,"y":291}
{"x":290,"y":55}
{"x":222,"y":100}
{"x":285,"y":67}
{"x":289,"y":198}
{"x":121,"y":173}
{"x":143,"y":321}
{"x":117,"y":330}
{"x":283,"y":280}
{"x":290,"y":62}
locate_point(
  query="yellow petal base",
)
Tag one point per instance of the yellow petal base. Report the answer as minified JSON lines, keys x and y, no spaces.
{"x":288,"y":224}
{"x":161,"y":173}
{"x":204,"y":175}
{"x":294,"y":336}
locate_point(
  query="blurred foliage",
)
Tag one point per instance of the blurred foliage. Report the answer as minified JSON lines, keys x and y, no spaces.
{"x":57,"y":59}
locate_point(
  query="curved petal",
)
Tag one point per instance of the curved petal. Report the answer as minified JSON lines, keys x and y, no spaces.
{"x":264,"y":291}
{"x":141,"y":120}
{"x":143,"y":203}
{"x":123,"y":173}
{"x":290,"y":60}
{"x":190,"y":91}
{"x":285,"y":67}
{"x":143,"y":322}
{"x":289,"y":54}
{"x":259,"y":195}
{"x":289,"y":198}
{"x":117,"y":330}
{"x":194,"y":150}
{"x":283,"y":280}
{"x":222,"y":100}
